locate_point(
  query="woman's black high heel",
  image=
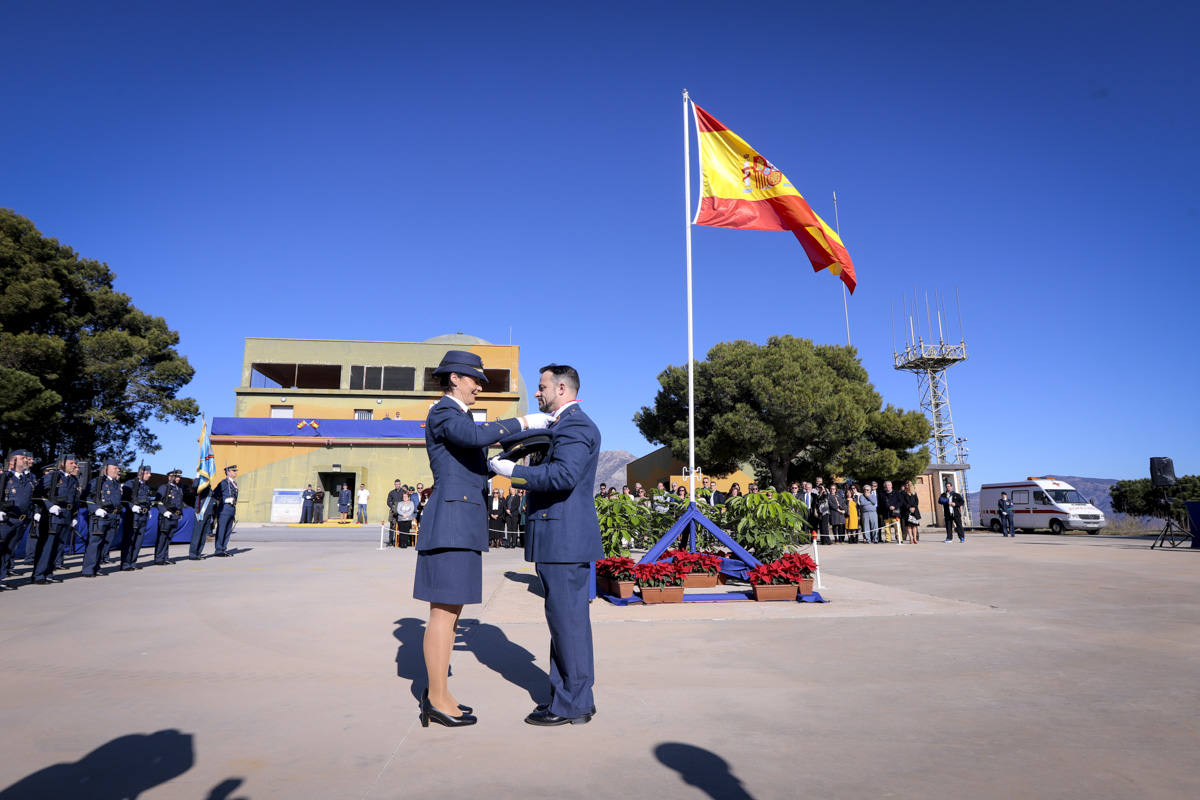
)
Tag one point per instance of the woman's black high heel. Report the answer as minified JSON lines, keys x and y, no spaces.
{"x":428,"y":712}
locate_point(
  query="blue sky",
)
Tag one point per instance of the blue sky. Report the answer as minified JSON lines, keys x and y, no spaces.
{"x":390,"y":171}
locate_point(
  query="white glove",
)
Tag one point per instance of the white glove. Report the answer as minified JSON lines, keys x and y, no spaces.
{"x":37,"y":517}
{"x":229,"y":500}
{"x":502,"y":466}
{"x":74,"y":523}
{"x":55,"y":510}
{"x":166,"y":515}
{"x":100,"y":512}
{"x":136,"y":509}
{"x":537,"y":419}
{"x":2,"y":516}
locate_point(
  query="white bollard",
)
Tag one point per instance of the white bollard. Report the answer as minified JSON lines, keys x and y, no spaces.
{"x":382,"y":536}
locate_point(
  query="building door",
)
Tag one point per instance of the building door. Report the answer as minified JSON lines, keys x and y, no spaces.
{"x":332,"y":482}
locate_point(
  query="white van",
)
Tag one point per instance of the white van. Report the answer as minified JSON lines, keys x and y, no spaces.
{"x":1040,"y":503}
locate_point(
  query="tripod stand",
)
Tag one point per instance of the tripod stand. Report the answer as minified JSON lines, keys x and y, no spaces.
{"x":1173,"y":534}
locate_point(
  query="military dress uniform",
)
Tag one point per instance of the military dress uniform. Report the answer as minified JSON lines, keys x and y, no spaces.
{"x":170,"y":507}
{"x":16,"y":509}
{"x":104,"y":505}
{"x":225,"y":499}
{"x":140,"y":496}
{"x":454,"y":525}
{"x":62,"y":501}
{"x":306,"y":510}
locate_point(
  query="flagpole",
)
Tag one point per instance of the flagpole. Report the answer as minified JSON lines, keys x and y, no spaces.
{"x":845,"y":305}
{"x":687,"y":227}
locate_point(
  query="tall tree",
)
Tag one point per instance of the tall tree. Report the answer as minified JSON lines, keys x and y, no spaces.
{"x":793,"y":409}
{"x":1139,"y":499}
{"x":82,"y":368}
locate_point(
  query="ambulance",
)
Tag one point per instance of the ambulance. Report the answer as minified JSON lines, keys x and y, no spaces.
{"x":1040,"y":503}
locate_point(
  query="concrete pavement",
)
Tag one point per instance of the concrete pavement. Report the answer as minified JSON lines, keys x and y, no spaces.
{"x":1039,"y":666}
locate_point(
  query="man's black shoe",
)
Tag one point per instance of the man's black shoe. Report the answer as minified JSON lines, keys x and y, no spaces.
{"x":546,"y":719}
{"x":546,"y":707}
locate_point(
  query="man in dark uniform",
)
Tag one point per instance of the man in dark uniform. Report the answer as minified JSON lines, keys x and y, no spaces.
{"x":17,"y":486}
{"x":562,"y":538}
{"x":170,"y":507}
{"x":395,"y":496}
{"x":104,"y":504}
{"x":61,"y":489}
{"x":140,"y":496}
{"x":952,"y":504}
{"x":306,"y":510}
{"x":225,"y":509}
{"x":344,"y":507}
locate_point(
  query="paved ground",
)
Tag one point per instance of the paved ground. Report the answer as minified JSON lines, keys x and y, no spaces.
{"x":1061,"y":667}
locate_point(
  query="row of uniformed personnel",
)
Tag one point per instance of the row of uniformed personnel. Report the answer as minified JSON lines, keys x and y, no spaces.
{"x":58,"y":494}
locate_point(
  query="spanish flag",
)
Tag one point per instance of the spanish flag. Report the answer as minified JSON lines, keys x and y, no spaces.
{"x":741,"y":189}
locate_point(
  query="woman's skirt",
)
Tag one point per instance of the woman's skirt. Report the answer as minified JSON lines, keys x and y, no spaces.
{"x":450,"y":576}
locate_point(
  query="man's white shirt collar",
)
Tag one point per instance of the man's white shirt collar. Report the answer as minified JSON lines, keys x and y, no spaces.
{"x":563,"y":408}
{"x":460,"y":403}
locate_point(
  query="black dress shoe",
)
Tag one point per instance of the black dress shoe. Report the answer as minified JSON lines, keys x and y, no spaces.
{"x":88,"y":574}
{"x":546,"y":707}
{"x":546,"y":719}
{"x":52,"y":579}
{"x":40,"y":581}
{"x":195,"y":558}
{"x":431,"y":714}
{"x":4,"y":587}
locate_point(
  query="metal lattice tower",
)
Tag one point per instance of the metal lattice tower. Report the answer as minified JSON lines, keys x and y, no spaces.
{"x":929,"y":360}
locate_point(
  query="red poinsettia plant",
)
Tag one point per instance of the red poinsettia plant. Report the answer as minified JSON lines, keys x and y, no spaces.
{"x":771,"y":574}
{"x":801,"y":563}
{"x":697,"y":563}
{"x":660,"y":573}
{"x":618,"y":568}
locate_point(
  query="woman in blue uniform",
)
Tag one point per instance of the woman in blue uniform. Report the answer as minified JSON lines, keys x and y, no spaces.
{"x":454,"y":530}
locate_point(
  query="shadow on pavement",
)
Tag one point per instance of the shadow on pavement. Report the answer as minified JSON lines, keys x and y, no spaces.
{"x":410,"y":655}
{"x":493,"y":649}
{"x":225,"y":789}
{"x":532,"y":582}
{"x":703,"y":769}
{"x":122,"y":768}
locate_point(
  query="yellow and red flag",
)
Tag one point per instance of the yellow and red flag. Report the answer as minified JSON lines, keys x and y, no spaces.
{"x":741,"y":189}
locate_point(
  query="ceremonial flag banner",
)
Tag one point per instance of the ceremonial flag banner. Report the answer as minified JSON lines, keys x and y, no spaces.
{"x":207,"y":465}
{"x":741,"y":189}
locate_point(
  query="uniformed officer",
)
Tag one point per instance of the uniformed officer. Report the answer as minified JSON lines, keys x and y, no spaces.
{"x":306,"y":511}
{"x":140,"y":495}
{"x":170,"y":508}
{"x":104,"y":507}
{"x":17,"y":486}
{"x":61,"y":488}
{"x":225,"y":498}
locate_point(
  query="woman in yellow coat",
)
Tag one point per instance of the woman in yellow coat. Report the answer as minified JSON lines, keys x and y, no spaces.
{"x":851,"y":513}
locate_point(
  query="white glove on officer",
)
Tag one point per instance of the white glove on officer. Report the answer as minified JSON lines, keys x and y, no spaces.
{"x":100,"y":512}
{"x":136,"y":509}
{"x":37,"y":517}
{"x":537,"y":419}
{"x":2,"y":516}
{"x":55,"y":510}
{"x":502,"y":466}
{"x":229,"y":500}
{"x":74,"y":523}
{"x":166,"y":515}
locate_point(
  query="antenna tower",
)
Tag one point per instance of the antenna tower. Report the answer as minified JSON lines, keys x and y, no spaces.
{"x":928,"y":358}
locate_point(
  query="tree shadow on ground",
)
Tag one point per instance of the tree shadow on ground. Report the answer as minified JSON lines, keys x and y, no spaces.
{"x":532,"y":582}
{"x":703,"y":769}
{"x":123,"y":768}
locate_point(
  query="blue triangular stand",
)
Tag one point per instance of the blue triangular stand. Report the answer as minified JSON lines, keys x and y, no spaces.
{"x":688,"y":521}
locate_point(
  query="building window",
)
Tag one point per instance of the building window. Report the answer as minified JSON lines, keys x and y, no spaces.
{"x":281,"y":412}
{"x":374,"y":379}
{"x":295,"y":376}
{"x":363,"y":413}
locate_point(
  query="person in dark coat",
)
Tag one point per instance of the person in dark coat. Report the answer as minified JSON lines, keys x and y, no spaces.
{"x":454,"y":524}
{"x":910,"y":512}
{"x":562,"y":538}
{"x":497,"y":517}
{"x":514,"y":504}
{"x":344,"y":501}
{"x":837,"y":514}
{"x":62,"y":500}
{"x":952,"y":504}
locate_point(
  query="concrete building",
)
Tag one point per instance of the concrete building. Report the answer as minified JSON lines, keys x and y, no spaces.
{"x":329,"y":412}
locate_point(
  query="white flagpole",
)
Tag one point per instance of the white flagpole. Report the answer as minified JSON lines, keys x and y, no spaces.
{"x":845,"y":306}
{"x":687,"y":226}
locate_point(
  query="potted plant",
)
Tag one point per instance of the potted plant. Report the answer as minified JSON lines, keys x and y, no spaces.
{"x":615,"y":576}
{"x":774,"y":581}
{"x":660,"y":582}
{"x":702,"y":568}
{"x":802,"y":566}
